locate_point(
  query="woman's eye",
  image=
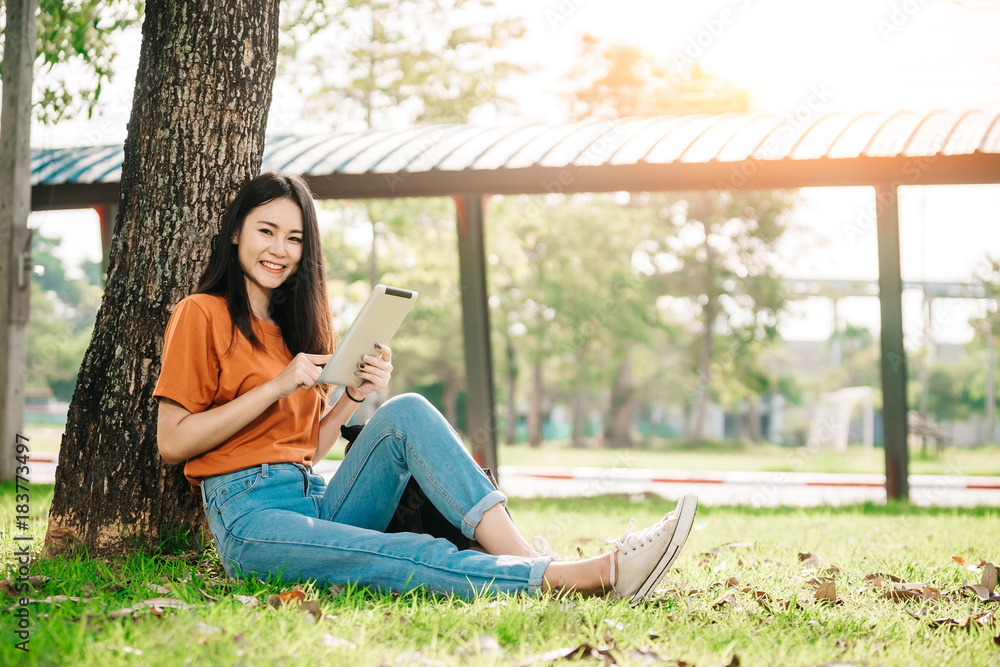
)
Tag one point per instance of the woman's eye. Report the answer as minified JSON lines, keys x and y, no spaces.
{"x":295,"y":239}
{"x":265,"y":230}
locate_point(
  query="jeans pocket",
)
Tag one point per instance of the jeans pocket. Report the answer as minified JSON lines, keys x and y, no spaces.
{"x":232,"y":500}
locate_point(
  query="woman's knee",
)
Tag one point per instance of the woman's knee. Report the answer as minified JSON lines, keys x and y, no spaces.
{"x":409,"y":403}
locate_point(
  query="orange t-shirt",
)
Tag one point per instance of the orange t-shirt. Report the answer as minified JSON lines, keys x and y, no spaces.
{"x":199,"y":373}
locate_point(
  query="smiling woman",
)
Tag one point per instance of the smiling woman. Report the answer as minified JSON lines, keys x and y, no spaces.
{"x":240,"y":406}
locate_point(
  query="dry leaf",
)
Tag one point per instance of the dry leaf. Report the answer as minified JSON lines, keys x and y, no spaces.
{"x":156,"y":605}
{"x":901,"y":595}
{"x":989,"y":578}
{"x":729,"y":600}
{"x":246,"y":600}
{"x":958,"y":559}
{"x":887,"y":577}
{"x":811,"y":559}
{"x":732,"y":582}
{"x":982,"y":592}
{"x":827,"y":592}
{"x":162,"y":590}
{"x":337,"y":642}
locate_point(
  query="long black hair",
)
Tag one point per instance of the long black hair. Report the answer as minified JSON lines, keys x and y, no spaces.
{"x":299,"y":305}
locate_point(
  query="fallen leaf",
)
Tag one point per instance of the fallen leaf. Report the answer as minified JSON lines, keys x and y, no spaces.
{"x":887,"y":577}
{"x":729,"y":600}
{"x":958,"y":559}
{"x":996,"y":640}
{"x":156,"y":605}
{"x":337,"y":642}
{"x":715,"y":551}
{"x":246,"y":600}
{"x":733,"y":662}
{"x":989,"y":578}
{"x":733,"y":582}
{"x":811,"y":559}
{"x":162,"y":590}
{"x":901,"y":595}
{"x":827,"y":592}
{"x":982,"y":592}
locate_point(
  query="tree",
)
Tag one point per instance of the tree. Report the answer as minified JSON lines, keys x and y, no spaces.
{"x":717,"y":250}
{"x":196,"y":133}
{"x":386,"y":62}
{"x":75,"y":53}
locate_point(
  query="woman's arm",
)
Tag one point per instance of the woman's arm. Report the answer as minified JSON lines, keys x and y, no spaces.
{"x":181,"y":434}
{"x":330,"y":423}
{"x":375,"y":370}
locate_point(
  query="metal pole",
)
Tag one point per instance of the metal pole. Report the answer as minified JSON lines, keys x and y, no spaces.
{"x":15,"y":239}
{"x":481,"y":418}
{"x":890,"y":284}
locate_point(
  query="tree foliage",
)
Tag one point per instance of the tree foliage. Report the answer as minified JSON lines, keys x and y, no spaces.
{"x":75,"y":53}
{"x":385,"y":62}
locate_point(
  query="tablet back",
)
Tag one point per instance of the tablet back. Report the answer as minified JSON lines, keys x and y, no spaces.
{"x":377,"y":322}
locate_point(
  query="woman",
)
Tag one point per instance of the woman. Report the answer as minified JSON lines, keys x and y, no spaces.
{"x":239,"y":405}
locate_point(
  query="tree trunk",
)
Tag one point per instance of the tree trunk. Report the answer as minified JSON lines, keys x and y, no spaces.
{"x":535,"y":406}
{"x":450,"y":400}
{"x":196,"y":133}
{"x":580,"y":403}
{"x":751,"y":421}
{"x":511,"y":426}
{"x":618,"y":430}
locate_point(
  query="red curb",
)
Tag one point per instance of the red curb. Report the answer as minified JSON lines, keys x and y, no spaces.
{"x":685,"y":480}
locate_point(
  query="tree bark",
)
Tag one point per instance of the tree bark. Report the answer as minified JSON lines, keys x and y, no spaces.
{"x":535,"y":406}
{"x":196,"y":133}
{"x":511,"y":425}
{"x":450,"y":401}
{"x":696,"y":425}
{"x":580,"y":403}
{"x":618,"y":430}
{"x":15,"y":239}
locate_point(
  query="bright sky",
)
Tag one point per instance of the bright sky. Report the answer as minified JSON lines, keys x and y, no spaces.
{"x":869,"y":54}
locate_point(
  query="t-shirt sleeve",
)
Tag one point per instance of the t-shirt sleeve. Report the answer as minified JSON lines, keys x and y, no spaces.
{"x":189,"y":372}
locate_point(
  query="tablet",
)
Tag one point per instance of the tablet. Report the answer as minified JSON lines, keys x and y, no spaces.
{"x":378,"y":320}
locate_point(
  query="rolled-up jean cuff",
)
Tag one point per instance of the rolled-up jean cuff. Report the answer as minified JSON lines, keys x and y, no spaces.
{"x":538,"y":566}
{"x":475,"y":515}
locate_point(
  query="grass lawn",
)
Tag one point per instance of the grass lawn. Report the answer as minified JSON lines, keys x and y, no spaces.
{"x":679,"y":455}
{"x":697,"y":617}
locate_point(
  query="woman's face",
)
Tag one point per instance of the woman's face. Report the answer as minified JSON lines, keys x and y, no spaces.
{"x":270,"y":244}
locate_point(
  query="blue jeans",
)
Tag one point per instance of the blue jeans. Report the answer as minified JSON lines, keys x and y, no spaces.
{"x":281,"y":521}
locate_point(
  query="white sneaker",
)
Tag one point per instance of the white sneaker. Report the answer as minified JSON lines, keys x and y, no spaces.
{"x":644,"y":557}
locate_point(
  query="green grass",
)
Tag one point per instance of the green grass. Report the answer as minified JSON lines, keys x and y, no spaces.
{"x":679,"y":455}
{"x":911,"y":542}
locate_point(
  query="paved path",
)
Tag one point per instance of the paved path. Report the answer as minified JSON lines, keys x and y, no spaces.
{"x":712,"y":488}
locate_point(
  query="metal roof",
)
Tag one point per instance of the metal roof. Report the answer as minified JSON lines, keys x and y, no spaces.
{"x":663,"y":153}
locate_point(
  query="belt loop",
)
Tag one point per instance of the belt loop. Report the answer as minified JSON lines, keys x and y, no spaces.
{"x":263,"y":470}
{"x":204,"y":498}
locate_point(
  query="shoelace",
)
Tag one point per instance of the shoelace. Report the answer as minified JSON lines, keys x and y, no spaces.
{"x":630,"y":540}
{"x":541,"y":547}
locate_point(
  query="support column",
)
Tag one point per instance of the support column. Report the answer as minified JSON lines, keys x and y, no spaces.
{"x":106,"y":214}
{"x":890,"y":285}
{"x":15,"y":239}
{"x":481,"y":416}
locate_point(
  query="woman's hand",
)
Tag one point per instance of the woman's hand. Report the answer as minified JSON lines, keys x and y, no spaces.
{"x":375,"y":371}
{"x":301,"y":373}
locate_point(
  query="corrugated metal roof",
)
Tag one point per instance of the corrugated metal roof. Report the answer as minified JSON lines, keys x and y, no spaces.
{"x":625,"y":143}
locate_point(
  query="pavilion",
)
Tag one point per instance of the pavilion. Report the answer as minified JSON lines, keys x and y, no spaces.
{"x":670,"y":153}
